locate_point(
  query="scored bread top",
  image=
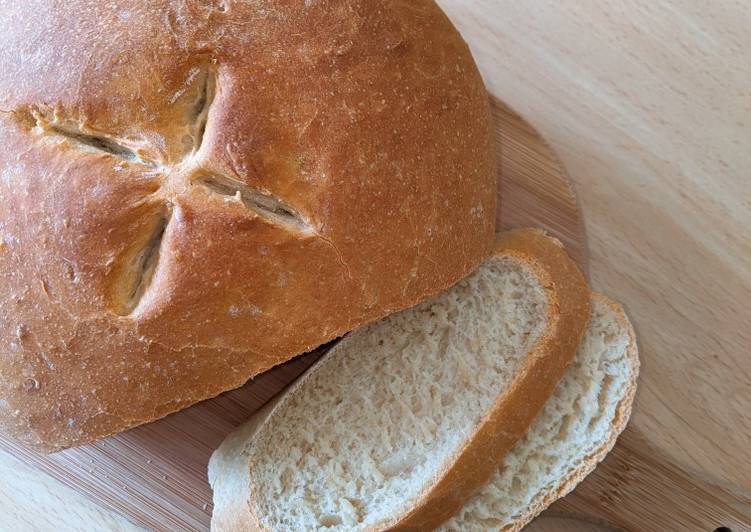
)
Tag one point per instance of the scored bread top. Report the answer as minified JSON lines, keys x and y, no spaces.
{"x":193,"y":192}
{"x":403,"y":419}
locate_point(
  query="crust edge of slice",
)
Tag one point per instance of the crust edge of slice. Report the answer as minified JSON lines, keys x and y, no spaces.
{"x":567,"y":316}
{"x":621,"y":418}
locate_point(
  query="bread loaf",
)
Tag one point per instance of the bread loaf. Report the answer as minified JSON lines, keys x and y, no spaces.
{"x":405,"y":418}
{"x":193,"y":192}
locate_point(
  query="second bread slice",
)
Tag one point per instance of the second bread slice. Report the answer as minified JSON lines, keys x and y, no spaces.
{"x":403,"y":420}
{"x":574,"y":431}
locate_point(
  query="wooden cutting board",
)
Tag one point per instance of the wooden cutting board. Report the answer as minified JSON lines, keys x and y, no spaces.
{"x":155,"y":475}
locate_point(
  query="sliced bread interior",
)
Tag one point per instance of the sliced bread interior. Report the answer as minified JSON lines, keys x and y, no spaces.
{"x":404,"y":419}
{"x":575,"y":430}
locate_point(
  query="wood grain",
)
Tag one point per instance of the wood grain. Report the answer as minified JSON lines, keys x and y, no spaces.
{"x":563,"y":524}
{"x":533,"y":188}
{"x":31,"y":501}
{"x":156,"y":474}
{"x":637,"y":489}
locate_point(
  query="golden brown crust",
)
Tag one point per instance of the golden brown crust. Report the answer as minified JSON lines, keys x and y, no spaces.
{"x":567,"y":315}
{"x":622,"y":415}
{"x":364,"y":124}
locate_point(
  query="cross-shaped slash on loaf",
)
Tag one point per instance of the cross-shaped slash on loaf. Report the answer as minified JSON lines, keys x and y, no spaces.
{"x":176,"y":168}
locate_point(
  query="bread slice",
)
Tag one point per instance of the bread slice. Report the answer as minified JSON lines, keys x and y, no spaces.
{"x":404,"y":419}
{"x":575,"y":430}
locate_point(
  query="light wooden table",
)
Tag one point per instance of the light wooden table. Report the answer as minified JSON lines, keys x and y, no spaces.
{"x":649,"y":106}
